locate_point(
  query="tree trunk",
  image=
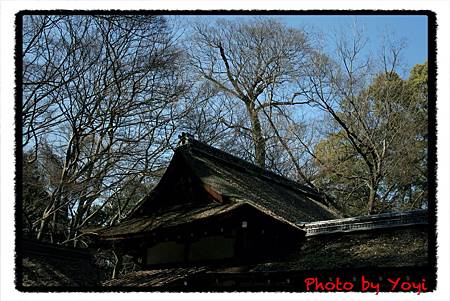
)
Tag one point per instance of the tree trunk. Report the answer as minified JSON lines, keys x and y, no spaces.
{"x":371,"y":201}
{"x":118,"y":264}
{"x":258,"y":139}
{"x":42,"y":225}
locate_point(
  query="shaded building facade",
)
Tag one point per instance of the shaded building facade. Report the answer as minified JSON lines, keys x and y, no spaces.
{"x":217,"y":222}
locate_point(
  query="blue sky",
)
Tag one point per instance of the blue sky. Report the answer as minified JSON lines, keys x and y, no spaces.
{"x":410,"y":28}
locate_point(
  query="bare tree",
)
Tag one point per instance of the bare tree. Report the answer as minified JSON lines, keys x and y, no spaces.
{"x":371,"y":110}
{"x":255,"y":63}
{"x":104,"y":104}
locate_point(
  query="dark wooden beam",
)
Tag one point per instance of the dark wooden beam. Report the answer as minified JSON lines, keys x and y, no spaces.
{"x":214,"y":194}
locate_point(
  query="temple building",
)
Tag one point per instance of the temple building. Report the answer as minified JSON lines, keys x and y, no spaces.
{"x":216,"y":222}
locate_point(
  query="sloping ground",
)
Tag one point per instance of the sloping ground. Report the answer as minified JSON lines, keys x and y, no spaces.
{"x":154,"y":278}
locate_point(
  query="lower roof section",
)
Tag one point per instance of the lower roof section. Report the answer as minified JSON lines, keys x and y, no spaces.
{"x":184,"y":215}
{"x":171,"y":218}
{"x":382,"y":251}
{"x":179,"y":216}
{"x":396,"y":247}
{"x":369,"y":222}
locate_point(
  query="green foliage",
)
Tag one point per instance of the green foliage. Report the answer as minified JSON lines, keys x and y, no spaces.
{"x":389,"y":119}
{"x":341,"y":173}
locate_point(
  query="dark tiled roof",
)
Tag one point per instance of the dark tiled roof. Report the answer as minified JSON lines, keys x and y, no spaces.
{"x":169,"y":218}
{"x":364,"y":223}
{"x":237,"y":178}
{"x":398,"y":247}
{"x":48,"y":265}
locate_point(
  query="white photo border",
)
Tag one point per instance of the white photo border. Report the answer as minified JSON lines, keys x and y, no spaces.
{"x":8,"y":9}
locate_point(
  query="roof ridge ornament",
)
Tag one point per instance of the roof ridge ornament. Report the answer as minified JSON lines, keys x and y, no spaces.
{"x":185,"y":138}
